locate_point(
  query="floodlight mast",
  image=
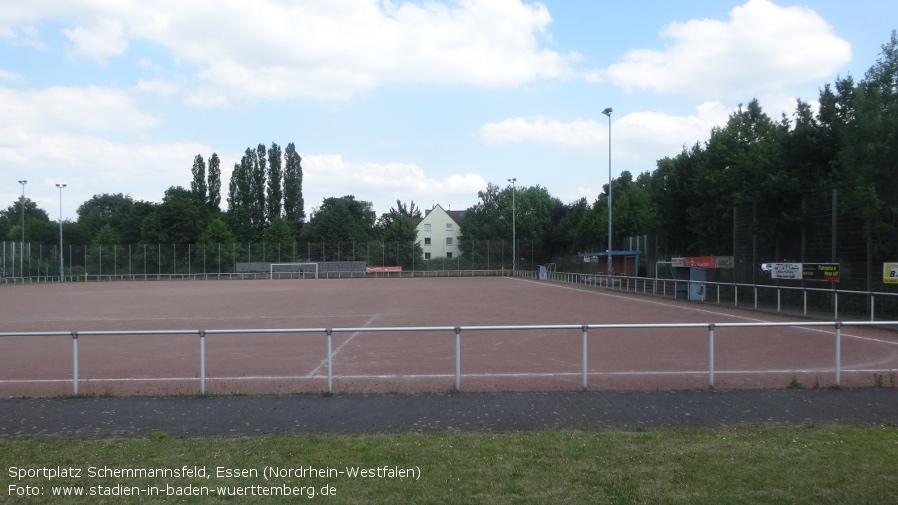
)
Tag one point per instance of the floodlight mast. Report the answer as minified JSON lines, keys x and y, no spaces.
{"x":608,"y":112}
{"x":514,"y":253}
{"x":22,"y":251}
{"x":61,"y":271}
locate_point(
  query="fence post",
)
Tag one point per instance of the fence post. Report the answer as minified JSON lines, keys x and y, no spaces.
{"x":585,"y":328}
{"x":75,"y":362}
{"x":330,"y":362}
{"x":872,"y":307}
{"x":711,"y":355}
{"x":458,"y":359}
{"x":838,"y":353}
{"x":202,"y":362}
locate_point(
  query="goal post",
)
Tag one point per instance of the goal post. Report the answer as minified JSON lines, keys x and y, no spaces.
{"x":293,"y":271}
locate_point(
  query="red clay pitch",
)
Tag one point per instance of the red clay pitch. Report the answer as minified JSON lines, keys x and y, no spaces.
{"x":403,"y":361}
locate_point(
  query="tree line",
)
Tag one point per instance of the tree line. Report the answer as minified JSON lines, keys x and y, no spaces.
{"x":768,"y":165}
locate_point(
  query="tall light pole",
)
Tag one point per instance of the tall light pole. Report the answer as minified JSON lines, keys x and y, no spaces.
{"x":61,"y":272}
{"x":514,"y":252}
{"x":607,"y":112}
{"x":22,"y":251}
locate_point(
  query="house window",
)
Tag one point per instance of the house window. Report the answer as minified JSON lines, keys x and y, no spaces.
{"x":426,"y":240}
{"x":448,"y":226}
{"x":426,"y":226}
{"x":427,"y":256}
{"x":449,"y":255}
{"x":448,"y":240}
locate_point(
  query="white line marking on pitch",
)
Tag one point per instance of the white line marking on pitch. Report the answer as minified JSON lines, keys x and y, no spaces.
{"x":705,"y":311}
{"x":337,"y":350}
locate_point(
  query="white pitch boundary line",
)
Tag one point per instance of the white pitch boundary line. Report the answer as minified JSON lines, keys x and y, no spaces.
{"x":704,"y":311}
{"x":337,"y":350}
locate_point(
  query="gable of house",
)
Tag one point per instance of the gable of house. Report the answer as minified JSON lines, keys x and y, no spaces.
{"x":439,"y":231}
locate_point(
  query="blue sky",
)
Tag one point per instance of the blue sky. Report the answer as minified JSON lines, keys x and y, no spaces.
{"x":425,"y":101}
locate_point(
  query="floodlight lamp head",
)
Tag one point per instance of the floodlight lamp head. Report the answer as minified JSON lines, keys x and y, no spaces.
{"x":60,"y":186}
{"x":513,"y":180}
{"x":607,"y":111}
{"x":23,"y":182}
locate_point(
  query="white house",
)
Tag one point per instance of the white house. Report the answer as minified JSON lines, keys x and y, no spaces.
{"x":439,"y":231}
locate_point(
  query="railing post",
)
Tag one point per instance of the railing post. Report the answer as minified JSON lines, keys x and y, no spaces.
{"x":872,"y":306}
{"x":457,"y":358}
{"x":75,"y":362}
{"x":330,"y":363}
{"x":838,"y":353}
{"x":711,"y":355}
{"x":836,"y":314}
{"x":777,"y":300}
{"x":585,"y":327}
{"x":202,"y":362}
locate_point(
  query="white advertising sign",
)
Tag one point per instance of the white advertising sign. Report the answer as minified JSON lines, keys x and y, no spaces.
{"x":785,"y":271}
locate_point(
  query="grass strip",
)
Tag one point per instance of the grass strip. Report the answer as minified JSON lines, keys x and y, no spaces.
{"x":823,"y":464}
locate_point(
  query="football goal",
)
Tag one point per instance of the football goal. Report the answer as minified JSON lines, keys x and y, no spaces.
{"x":294,"y":271}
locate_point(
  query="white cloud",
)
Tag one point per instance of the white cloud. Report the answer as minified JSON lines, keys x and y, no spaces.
{"x":637,"y":136}
{"x":11,"y":76}
{"x":99,"y":42}
{"x":79,"y":136}
{"x":761,"y":47}
{"x":158,"y":87}
{"x":92,"y":108}
{"x":580,"y":133}
{"x":279,"y":49}
{"x":16,"y":26}
{"x":328,"y":175}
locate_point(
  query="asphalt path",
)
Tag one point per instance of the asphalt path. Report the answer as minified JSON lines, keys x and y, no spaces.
{"x":234,"y":416}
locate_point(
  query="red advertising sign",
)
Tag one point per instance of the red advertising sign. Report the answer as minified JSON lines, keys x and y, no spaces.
{"x":695,"y":261}
{"x":383,"y":269}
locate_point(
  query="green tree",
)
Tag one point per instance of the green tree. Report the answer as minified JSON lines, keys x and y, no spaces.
{"x":671,"y":194}
{"x":482,"y":221}
{"x":217,"y":232}
{"x":343,"y":219}
{"x":869,"y":155}
{"x":258,"y":204}
{"x":411,"y":211}
{"x":401,"y":243}
{"x":240,"y":199}
{"x":216,"y":239}
{"x":565,"y":236}
{"x":198,"y":184}
{"x":278,"y":232}
{"x":107,"y":236}
{"x":179,"y":219}
{"x":214,"y":184}
{"x":294,"y":213}
{"x":119,"y":211}
{"x":275,"y":179}
{"x":11,"y":221}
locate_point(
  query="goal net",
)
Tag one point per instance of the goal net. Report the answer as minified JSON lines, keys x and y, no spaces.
{"x":294,"y":271}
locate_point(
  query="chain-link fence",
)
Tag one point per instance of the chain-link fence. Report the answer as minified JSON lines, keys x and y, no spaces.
{"x":41,"y":262}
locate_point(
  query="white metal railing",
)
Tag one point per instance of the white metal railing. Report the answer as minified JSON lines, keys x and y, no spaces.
{"x":457,"y":330}
{"x":47,"y":279}
{"x":667,"y":288}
